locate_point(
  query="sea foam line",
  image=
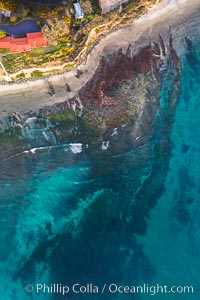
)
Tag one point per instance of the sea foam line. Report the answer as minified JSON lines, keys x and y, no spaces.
{"x":75,"y":148}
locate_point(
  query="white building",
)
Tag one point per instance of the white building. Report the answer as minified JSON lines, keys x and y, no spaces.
{"x":78,"y":10}
{"x":4,"y":12}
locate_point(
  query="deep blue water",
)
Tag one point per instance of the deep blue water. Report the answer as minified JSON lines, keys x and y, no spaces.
{"x":67,"y":218}
{"x":21,"y":28}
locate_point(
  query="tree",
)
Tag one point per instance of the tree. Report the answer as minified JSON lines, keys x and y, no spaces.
{"x":21,"y":76}
{"x":37,"y":73}
{"x":2,"y":33}
{"x":13,"y":18}
{"x":8,"y":5}
{"x":43,"y":11}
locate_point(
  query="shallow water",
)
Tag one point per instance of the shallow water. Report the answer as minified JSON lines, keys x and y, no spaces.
{"x":129,"y":219}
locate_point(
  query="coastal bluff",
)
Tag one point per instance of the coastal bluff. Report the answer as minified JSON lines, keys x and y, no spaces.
{"x":180,"y":17}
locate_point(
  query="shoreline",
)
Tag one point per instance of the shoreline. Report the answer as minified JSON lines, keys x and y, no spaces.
{"x":34,"y":94}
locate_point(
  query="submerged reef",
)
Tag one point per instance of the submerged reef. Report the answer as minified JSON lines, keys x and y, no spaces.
{"x":103,"y":186}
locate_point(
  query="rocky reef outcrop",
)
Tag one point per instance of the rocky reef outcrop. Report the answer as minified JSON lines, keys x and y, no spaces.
{"x":116,"y":107}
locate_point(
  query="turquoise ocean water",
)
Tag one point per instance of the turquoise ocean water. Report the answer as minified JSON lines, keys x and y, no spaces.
{"x":66,"y":218}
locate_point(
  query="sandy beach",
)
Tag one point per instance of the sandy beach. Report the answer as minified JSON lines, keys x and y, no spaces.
{"x":182,"y":16}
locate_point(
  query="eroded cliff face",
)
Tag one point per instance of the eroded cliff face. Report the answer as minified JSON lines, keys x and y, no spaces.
{"x":115,"y":109}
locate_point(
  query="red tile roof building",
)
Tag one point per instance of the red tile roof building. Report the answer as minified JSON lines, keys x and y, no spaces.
{"x":36,"y":39}
{"x":19,"y":45}
{"x":32,"y":40}
{"x":5,"y":42}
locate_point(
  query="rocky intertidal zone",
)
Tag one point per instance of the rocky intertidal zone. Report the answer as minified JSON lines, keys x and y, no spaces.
{"x":114,"y":110}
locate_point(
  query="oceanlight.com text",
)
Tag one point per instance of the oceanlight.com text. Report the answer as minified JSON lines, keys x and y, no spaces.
{"x":112,"y":288}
